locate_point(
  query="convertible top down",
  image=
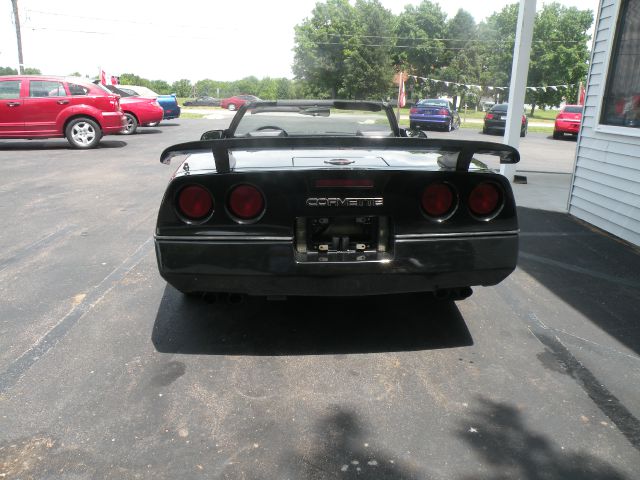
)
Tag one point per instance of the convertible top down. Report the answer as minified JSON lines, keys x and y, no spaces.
{"x":283,"y":205}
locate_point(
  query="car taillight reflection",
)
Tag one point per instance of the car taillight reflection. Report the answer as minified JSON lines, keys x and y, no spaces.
{"x":489,"y":116}
{"x":438,"y":200}
{"x":195,"y":202}
{"x":485,"y":199}
{"x":246,"y":202}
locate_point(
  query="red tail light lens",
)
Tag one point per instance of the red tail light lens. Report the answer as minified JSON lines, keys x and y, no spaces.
{"x":437,"y":200}
{"x":443,"y":111}
{"x":195,"y":202}
{"x":484,"y":199}
{"x":246,"y":202}
{"x":489,"y":116}
{"x":413,"y":110}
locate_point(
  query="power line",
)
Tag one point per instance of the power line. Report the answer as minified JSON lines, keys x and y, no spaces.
{"x":339,"y":35}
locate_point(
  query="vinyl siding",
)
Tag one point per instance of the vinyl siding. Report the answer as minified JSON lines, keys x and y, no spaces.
{"x":606,"y":183}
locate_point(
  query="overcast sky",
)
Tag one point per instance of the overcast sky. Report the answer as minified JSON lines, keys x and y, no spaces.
{"x":194,"y":39}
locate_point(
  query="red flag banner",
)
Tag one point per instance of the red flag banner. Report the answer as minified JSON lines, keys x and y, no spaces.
{"x":402,"y":98}
{"x":581,"y":95}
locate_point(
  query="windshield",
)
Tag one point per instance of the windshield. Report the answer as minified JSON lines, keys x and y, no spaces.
{"x":573,"y":109}
{"x":312,"y":120}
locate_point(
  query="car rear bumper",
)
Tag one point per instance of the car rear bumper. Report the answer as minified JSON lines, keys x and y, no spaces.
{"x":113,"y":122}
{"x":151,"y":115}
{"x":567,"y":127}
{"x":430,"y":120}
{"x":272,"y":266}
{"x":498,"y":125}
{"x":171,"y":112}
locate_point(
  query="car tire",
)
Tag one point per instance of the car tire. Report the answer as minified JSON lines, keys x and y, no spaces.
{"x":413,"y":126}
{"x":83,"y":133}
{"x":132,"y":124}
{"x":523,"y":132}
{"x":557,"y":135}
{"x":449,"y":126}
{"x":485,"y":130}
{"x":231,"y":107}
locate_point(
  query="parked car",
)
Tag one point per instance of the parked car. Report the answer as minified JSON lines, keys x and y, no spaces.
{"x":434,"y":113}
{"x":47,"y":107}
{"x":235,"y":102}
{"x":295,"y":198}
{"x":203,"y":102}
{"x":139,"y":111}
{"x":568,"y":121}
{"x":496,"y":119}
{"x":168,"y":102}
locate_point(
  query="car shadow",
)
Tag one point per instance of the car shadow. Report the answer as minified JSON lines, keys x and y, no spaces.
{"x":565,"y":138}
{"x":165,"y":124}
{"x":147,"y":131}
{"x":55,"y":145}
{"x":307,"y":325}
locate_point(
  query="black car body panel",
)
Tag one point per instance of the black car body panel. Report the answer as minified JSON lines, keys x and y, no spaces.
{"x":341,"y":216}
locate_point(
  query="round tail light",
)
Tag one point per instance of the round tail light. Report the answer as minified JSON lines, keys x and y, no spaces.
{"x":484,"y":199}
{"x":437,"y":200}
{"x":195,"y":202}
{"x":246,"y":202}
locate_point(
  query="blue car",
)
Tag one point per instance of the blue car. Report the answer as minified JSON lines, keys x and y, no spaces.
{"x":434,"y":113}
{"x":169,"y":103}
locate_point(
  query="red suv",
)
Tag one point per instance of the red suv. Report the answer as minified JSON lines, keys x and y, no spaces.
{"x":45,"y":107}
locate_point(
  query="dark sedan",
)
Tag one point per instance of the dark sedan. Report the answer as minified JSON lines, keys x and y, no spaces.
{"x":203,"y":102}
{"x":496,"y":119}
{"x":434,"y":113}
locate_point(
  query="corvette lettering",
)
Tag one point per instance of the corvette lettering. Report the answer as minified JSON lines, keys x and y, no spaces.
{"x":345,"y":202}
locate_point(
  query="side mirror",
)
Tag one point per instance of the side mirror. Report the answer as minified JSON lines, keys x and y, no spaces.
{"x":212,"y":135}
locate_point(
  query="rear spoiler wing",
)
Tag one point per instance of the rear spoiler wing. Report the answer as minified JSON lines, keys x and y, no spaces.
{"x":465,"y":149}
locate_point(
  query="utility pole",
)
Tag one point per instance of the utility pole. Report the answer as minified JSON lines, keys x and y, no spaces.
{"x":16,"y":19}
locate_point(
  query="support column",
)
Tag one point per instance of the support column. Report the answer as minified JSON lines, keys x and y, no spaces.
{"x":519,"y":72}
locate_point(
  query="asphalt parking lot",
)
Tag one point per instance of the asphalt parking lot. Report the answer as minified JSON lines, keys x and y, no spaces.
{"x":106,"y":372}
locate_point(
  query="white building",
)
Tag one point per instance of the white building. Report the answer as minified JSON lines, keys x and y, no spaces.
{"x":605,"y":189}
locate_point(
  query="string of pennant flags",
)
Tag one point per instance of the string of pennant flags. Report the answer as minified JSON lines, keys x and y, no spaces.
{"x":481,"y":87}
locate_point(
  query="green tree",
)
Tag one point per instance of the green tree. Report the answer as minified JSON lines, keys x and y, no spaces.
{"x":32,"y":71}
{"x":248,"y":86}
{"x":8,"y":71}
{"x":160,"y":86}
{"x":420,"y":30}
{"x":462,"y":62}
{"x":319,"y":50}
{"x":496,"y":48}
{"x":559,"y":54}
{"x":268,"y":89}
{"x":559,"y":51}
{"x":368,"y":52}
{"x":182,"y":88}
{"x":132,"y":79}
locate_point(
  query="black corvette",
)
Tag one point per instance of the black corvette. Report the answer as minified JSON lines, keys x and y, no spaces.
{"x":333,"y":198}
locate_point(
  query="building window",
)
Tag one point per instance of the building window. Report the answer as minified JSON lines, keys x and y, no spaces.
{"x":621,"y":104}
